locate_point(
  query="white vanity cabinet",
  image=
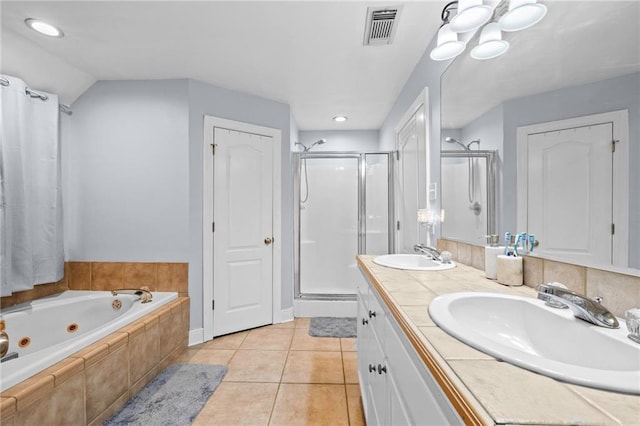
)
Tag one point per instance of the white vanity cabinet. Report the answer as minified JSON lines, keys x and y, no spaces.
{"x":396,"y":387}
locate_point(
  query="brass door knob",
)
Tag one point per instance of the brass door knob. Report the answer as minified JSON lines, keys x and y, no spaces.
{"x":268,"y":241}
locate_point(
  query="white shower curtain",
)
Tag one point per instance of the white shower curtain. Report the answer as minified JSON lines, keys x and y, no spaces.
{"x":31,"y":250}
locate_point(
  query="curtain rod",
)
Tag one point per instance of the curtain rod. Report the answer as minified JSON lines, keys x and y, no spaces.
{"x":65,"y":109}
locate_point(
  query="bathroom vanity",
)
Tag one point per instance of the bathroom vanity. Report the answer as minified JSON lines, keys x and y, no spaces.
{"x":412,"y":372}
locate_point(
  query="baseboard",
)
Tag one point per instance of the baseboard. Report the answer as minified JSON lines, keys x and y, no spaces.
{"x":196,"y":336}
{"x":325,"y":308}
{"x":285,"y":315}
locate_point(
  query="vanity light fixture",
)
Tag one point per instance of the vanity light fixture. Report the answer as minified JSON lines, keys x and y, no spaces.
{"x":491,"y":44}
{"x":448,"y":44}
{"x":522,"y":14}
{"x":43,"y":27}
{"x":340,"y":118}
{"x":471,"y":15}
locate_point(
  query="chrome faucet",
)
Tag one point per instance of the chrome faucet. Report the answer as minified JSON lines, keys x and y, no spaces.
{"x":432,"y":252}
{"x":4,"y":340}
{"x":581,"y":306}
{"x":143,"y":292}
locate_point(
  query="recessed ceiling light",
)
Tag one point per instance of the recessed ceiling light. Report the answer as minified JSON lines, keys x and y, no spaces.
{"x":339,"y":118}
{"x":43,"y":27}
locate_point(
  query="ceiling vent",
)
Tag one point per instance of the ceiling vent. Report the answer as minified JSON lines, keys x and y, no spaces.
{"x":381,"y":25}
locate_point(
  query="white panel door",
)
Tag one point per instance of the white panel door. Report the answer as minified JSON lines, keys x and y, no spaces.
{"x":570,"y":190}
{"x":242,"y":249}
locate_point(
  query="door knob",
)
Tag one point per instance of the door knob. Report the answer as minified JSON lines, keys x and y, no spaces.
{"x":268,"y":240}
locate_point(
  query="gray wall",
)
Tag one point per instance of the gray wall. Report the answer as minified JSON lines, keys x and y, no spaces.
{"x":608,"y":95}
{"x":126,"y":165}
{"x":340,"y":140}
{"x":426,"y":74}
{"x":133,"y":174}
{"x":205,"y":99}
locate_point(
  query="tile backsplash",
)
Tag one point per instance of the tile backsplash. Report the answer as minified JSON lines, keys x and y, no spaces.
{"x":619,"y":292}
{"x":110,"y":276}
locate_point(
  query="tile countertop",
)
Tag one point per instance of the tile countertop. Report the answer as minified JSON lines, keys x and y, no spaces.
{"x":483,"y":389}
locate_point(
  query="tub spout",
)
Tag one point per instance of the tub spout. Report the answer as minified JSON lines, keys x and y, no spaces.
{"x":4,"y":340}
{"x":143,"y":292}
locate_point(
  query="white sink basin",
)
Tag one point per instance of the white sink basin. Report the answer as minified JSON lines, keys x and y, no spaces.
{"x":413,"y":262}
{"x":525,"y":332}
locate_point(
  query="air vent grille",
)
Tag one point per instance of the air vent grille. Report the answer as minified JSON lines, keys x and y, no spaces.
{"x":381,"y":25}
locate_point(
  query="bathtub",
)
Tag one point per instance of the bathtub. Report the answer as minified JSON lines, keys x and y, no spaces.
{"x":47,"y":330}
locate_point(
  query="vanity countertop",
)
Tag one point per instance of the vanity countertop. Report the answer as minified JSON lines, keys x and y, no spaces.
{"x":482,"y":389}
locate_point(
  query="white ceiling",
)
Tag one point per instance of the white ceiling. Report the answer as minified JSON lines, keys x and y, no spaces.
{"x":578,"y":42}
{"x":307,"y":54}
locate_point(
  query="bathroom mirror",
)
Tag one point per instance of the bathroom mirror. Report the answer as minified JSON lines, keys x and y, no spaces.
{"x":582,"y":59}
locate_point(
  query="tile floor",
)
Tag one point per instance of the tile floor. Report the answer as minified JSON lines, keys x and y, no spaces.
{"x":279,"y":375}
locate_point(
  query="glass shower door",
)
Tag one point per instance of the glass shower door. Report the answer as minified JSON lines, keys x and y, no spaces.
{"x":329,"y":225}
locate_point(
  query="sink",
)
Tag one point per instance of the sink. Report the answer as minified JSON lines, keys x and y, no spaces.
{"x":525,"y":332}
{"x":413,"y":262}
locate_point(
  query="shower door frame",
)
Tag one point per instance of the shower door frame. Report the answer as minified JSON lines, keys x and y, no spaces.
{"x":490,"y":157}
{"x":362,"y":229}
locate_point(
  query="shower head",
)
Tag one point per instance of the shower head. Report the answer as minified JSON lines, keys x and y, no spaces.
{"x":305,"y":148}
{"x":318,"y":142}
{"x":466,"y":147}
{"x":449,"y":139}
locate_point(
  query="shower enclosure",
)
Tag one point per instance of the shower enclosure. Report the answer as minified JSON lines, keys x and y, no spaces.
{"x":343,"y":209}
{"x":468,"y":195}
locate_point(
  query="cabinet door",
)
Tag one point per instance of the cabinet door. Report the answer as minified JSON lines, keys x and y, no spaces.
{"x":397,"y":415}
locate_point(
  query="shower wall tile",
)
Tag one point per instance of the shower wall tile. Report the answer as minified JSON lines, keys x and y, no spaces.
{"x":110,"y":276}
{"x":173,"y":277}
{"x":79,"y":275}
{"x":138,"y":275}
{"x":107,"y":275}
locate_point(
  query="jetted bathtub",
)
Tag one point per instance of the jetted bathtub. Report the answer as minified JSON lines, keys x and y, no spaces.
{"x":47,"y":330}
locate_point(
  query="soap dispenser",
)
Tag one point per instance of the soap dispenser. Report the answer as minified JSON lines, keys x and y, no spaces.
{"x":491,"y":252}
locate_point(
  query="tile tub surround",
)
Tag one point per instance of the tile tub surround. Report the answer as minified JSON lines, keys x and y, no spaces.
{"x":619,"y":292}
{"x":158,"y":276}
{"x":92,"y":384}
{"x":490,"y":391}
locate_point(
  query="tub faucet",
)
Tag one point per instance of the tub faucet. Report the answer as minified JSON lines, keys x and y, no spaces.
{"x":581,"y":306}
{"x":4,"y":340}
{"x":143,"y":292}
{"x":432,"y":252}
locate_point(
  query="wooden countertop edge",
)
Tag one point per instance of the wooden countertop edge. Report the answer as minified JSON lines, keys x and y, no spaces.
{"x":468,"y":410}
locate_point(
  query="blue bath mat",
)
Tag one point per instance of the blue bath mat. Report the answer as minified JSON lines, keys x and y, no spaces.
{"x":332,"y":327}
{"x":174,"y":397}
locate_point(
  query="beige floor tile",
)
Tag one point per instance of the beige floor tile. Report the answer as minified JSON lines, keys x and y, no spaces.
{"x":256,"y":366}
{"x":266,"y":338}
{"x":302,"y":322}
{"x":348,"y":344}
{"x":239,"y":404}
{"x":230,"y":341}
{"x":303,"y":342}
{"x":313,"y":367}
{"x":354,"y":404}
{"x":212,"y":356}
{"x":310,"y":405}
{"x":288,"y":324}
{"x":350,"y":365}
